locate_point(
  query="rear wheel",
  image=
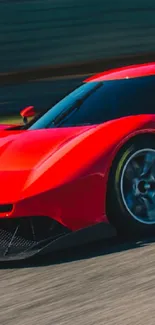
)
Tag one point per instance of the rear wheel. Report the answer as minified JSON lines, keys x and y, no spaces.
{"x":131,"y":188}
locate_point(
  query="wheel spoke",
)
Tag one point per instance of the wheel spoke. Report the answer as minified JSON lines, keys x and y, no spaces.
{"x":149,"y":162}
{"x":132,"y":170}
{"x":149,"y":203}
{"x":151,"y":176}
{"x":130,"y":201}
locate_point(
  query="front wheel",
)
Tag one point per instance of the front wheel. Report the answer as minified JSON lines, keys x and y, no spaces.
{"x":131,"y":188}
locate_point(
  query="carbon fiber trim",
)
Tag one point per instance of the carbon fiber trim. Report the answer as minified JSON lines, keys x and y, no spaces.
{"x":22,"y":238}
{"x":16,"y":244}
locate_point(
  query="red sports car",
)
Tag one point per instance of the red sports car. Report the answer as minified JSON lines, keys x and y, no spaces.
{"x":82,"y":170}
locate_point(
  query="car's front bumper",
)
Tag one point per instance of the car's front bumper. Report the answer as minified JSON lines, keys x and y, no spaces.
{"x":20,"y":240}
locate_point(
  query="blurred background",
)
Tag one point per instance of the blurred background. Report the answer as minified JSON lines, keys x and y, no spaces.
{"x":48,"y":46}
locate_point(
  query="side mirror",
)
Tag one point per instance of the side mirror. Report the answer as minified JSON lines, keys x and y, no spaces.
{"x":28,"y":111}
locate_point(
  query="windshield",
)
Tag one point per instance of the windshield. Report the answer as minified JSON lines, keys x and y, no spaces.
{"x":96,"y":102}
{"x":65,"y":107}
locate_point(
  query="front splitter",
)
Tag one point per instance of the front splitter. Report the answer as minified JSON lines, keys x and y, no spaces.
{"x":67,"y":240}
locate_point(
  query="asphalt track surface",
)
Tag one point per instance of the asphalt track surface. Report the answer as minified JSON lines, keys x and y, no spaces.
{"x":102,"y":283}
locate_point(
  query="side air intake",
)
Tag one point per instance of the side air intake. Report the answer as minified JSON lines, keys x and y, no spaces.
{"x":5,"y":208}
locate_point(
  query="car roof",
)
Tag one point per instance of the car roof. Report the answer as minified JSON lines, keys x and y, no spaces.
{"x":132,"y":71}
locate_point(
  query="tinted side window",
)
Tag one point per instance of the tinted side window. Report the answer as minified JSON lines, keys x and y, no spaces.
{"x":135,"y":96}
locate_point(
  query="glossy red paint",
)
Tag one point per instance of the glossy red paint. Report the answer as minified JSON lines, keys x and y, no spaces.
{"x":66,"y":178}
{"x":28,"y":111}
{"x":132,"y":71}
{"x":62,"y":173}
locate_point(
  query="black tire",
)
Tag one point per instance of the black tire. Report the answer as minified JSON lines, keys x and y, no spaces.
{"x":117,"y":212}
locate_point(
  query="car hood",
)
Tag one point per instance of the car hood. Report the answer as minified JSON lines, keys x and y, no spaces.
{"x":23,"y":152}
